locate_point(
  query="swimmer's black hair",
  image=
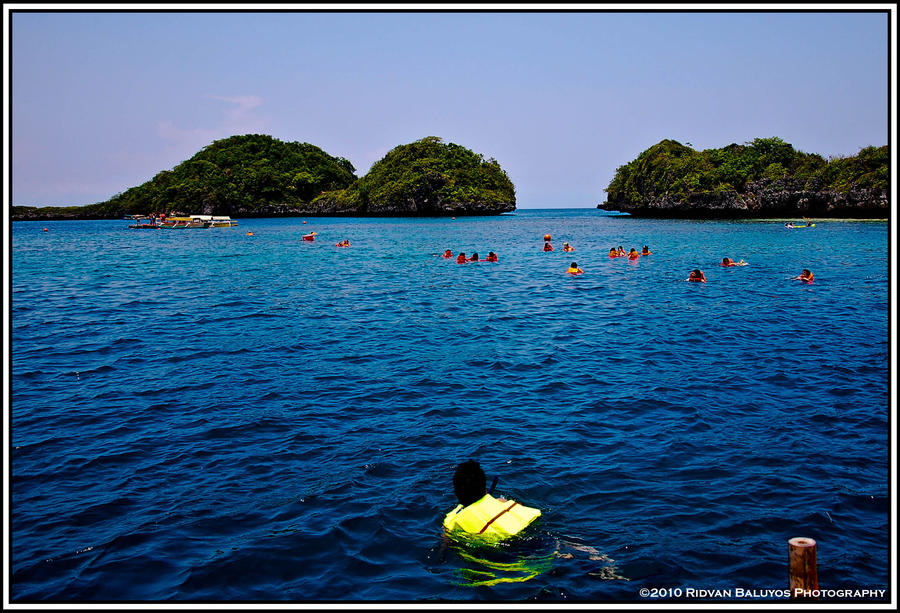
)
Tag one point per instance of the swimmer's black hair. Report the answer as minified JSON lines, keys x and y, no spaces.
{"x":469,"y":483}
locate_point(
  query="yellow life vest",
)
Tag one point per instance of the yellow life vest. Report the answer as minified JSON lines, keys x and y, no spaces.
{"x":491,"y":517}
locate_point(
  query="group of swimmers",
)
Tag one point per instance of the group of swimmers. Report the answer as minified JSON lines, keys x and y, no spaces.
{"x":462,"y":259}
{"x":548,"y":246}
{"x":697,"y":275}
{"x":619,"y":252}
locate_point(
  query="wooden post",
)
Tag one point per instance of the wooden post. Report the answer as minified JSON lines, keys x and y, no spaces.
{"x":802,"y":563}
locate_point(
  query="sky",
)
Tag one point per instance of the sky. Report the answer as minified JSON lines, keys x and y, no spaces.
{"x":102,"y":101}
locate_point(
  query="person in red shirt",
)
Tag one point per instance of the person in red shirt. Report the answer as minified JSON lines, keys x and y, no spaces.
{"x":461,"y":258}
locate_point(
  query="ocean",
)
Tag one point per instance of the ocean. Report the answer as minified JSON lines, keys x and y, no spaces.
{"x":237,"y":415}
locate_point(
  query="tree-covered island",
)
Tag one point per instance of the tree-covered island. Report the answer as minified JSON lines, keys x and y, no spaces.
{"x":260,"y":176}
{"x":763,"y":178}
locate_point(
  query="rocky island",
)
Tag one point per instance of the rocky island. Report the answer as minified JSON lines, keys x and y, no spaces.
{"x":763,"y":178}
{"x":257,"y":175}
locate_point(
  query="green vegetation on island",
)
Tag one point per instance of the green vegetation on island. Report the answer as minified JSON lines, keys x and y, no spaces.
{"x":427,"y":177}
{"x":260,"y":176}
{"x":240,"y":175}
{"x":764,"y":177}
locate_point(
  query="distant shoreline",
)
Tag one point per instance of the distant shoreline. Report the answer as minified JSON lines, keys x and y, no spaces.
{"x":507,"y":214}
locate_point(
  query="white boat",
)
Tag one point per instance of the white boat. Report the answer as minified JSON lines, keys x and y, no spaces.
{"x":198,"y":221}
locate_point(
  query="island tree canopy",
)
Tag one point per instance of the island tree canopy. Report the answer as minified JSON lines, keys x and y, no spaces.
{"x":427,"y":177}
{"x":676,"y":172}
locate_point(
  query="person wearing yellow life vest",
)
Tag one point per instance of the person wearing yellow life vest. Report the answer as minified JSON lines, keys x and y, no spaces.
{"x":479,"y":513}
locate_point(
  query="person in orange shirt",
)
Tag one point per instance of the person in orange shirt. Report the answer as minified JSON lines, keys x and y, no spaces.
{"x":697,"y":276}
{"x":461,"y":258}
{"x":633,"y":255}
{"x":805,"y":275}
{"x":613,"y":253}
{"x":448,"y":254}
{"x":491,"y":257}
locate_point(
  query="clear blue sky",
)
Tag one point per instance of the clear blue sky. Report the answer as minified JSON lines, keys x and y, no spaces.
{"x":101,"y":102}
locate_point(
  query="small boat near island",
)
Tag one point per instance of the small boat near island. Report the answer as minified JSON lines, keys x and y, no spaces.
{"x":142,"y":222}
{"x":791,"y":226}
{"x":182,"y":223}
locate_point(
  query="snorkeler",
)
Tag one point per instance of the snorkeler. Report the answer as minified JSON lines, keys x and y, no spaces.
{"x":697,"y":276}
{"x":574,"y":270}
{"x":478,"y":512}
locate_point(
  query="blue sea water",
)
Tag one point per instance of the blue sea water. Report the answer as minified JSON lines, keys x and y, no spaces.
{"x":210,"y":416}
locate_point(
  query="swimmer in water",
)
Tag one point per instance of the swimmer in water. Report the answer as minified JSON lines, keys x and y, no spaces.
{"x":478,"y":512}
{"x":633,"y":254}
{"x":461,"y":258}
{"x":646,"y":250}
{"x":613,"y":253}
{"x":491,"y":257}
{"x":621,"y":250}
{"x":568,"y":247}
{"x":697,"y":276}
{"x":805,"y":275}
{"x":574,"y":270}
{"x":730,"y":262}
{"x":474,"y":257}
{"x":548,"y":247}
{"x":447,"y":254}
